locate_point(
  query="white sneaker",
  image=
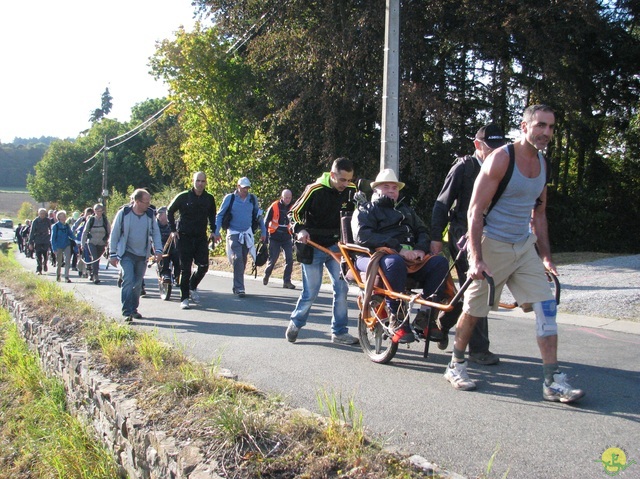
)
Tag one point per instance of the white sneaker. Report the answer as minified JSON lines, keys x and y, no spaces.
{"x":560,"y":390}
{"x":456,"y":374}
{"x":194,"y":296}
{"x":184,"y":304}
{"x":345,"y":338}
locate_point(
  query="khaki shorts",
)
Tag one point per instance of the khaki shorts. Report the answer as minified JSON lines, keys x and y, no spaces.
{"x":516,"y":265}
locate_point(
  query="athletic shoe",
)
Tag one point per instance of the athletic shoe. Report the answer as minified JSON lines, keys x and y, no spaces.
{"x":486,"y":358}
{"x":289,"y":285}
{"x":443,"y":343}
{"x":456,"y":374}
{"x":68,"y":280}
{"x":194,"y":296}
{"x":265,"y":279}
{"x":292,"y":332}
{"x":128,"y":319}
{"x":136,"y":315}
{"x":143,"y":292}
{"x":345,"y":338}
{"x":185,"y":304}
{"x":560,"y":390}
{"x":239,"y":292}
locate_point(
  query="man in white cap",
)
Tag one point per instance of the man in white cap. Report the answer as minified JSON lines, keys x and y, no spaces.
{"x":239,"y":214}
{"x":385,"y":222}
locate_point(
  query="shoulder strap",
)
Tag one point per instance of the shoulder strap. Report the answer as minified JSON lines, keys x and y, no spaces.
{"x":505,"y":179}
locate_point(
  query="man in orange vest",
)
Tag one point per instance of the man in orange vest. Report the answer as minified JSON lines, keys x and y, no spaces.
{"x":279,"y":237}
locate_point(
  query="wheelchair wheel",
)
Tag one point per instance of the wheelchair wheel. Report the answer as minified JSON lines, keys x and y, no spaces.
{"x":165,"y":288}
{"x":376,"y":342}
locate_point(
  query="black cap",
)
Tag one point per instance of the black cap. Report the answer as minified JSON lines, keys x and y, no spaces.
{"x":492,"y":135}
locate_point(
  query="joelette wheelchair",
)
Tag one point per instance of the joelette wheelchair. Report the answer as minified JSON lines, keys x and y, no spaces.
{"x":377,"y":326}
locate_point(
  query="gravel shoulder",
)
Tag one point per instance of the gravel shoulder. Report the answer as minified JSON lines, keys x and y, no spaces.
{"x":604,"y":288}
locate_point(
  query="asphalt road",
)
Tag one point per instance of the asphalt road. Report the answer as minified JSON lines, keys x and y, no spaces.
{"x":407,"y":403}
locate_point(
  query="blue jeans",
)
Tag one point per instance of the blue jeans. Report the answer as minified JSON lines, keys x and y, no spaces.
{"x":311,"y":282}
{"x":133,"y":269}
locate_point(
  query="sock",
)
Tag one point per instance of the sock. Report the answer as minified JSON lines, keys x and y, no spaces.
{"x":458,"y":356}
{"x":549,"y":370}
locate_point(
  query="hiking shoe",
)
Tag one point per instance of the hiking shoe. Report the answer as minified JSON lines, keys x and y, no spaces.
{"x":345,"y":338}
{"x":194,"y":296}
{"x":185,"y":304}
{"x":292,"y":332}
{"x":289,"y":286}
{"x":265,"y":280}
{"x":444,"y":342}
{"x":421,"y":320}
{"x":560,"y":390}
{"x":486,"y":358}
{"x":456,"y":374}
{"x":136,"y":315}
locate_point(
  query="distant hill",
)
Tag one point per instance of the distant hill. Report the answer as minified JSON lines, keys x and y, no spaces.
{"x":17,"y":159}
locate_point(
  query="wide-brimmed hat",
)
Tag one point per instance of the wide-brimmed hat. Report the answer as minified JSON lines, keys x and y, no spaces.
{"x":244,"y":182}
{"x":387,"y":176}
{"x":492,"y":135}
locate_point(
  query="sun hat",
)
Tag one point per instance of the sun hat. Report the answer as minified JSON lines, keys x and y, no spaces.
{"x":244,"y":182}
{"x":492,"y":135}
{"x":387,"y":176}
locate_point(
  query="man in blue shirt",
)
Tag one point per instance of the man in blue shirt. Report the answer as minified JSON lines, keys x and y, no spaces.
{"x":240,"y":215}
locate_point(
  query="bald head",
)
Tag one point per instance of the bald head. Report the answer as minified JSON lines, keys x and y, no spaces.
{"x":286,"y":196}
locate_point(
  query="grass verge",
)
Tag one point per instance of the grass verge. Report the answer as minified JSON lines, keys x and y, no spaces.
{"x":39,"y":437}
{"x":248,"y":433}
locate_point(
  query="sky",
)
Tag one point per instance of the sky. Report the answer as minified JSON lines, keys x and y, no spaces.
{"x":58,"y":56}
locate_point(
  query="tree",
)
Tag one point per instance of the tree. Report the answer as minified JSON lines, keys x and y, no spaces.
{"x":105,"y":107}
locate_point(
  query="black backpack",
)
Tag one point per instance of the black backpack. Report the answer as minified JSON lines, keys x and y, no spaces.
{"x":262,"y":256}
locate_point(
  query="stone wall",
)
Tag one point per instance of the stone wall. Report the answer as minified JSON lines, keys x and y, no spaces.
{"x":141,"y":452}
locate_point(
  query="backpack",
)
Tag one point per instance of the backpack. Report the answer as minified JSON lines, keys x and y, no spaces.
{"x":107,"y":227}
{"x":255,"y":222}
{"x":262,"y":256}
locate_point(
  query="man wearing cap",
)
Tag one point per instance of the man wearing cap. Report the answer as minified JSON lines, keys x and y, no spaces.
{"x":385,"y":222}
{"x":240,"y":215}
{"x":457,"y":189}
{"x":316,"y":216}
{"x":196,"y":208}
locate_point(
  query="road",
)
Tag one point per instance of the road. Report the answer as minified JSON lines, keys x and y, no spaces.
{"x":407,"y":403}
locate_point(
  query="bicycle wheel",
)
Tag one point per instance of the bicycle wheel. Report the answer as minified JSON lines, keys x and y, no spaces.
{"x":375,"y":341}
{"x":165,"y":288}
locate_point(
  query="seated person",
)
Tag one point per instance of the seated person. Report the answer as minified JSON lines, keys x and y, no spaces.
{"x":172,"y":257}
{"x":385,"y":222}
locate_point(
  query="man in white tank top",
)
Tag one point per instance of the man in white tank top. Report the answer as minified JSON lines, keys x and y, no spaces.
{"x":503,"y":246}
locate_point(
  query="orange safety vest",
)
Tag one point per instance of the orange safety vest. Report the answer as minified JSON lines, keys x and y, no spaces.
{"x":275,"y":218}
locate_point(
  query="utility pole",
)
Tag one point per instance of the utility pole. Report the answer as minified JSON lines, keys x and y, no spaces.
{"x":105,"y":191}
{"x":390,"y":145}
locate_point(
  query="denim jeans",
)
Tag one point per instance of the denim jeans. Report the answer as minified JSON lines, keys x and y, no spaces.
{"x":311,"y":282}
{"x":275,"y":245}
{"x":133,"y":269}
